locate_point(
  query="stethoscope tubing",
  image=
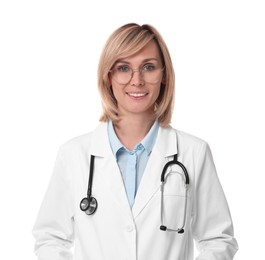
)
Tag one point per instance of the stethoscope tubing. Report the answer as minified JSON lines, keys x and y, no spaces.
{"x":90,"y":181}
{"x":175,"y":161}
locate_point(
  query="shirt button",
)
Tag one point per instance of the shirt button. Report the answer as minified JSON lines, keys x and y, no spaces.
{"x":129,"y":228}
{"x":140,"y":147}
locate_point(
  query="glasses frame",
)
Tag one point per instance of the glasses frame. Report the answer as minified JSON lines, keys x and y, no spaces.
{"x":140,"y":70}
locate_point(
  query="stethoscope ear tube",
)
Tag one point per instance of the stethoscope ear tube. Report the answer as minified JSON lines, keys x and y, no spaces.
{"x":175,"y":161}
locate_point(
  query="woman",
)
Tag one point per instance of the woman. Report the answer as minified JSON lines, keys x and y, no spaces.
{"x":128,"y":212}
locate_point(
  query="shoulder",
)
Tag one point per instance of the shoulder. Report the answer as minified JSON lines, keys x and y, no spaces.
{"x":189,"y":138}
{"x":83,"y":142}
{"x":171,"y":140}
{"x":192,"y":148}
{"x":183,"y":136}
{"x":187,"y":141}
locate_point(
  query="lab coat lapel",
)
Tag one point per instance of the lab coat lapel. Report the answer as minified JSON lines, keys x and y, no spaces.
{"x":107,"y":168}
{"x":111,"y":179}
{"x":164,"y":148}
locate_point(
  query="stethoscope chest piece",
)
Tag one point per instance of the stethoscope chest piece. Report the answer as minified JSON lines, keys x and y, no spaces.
{"x":89,"y":205}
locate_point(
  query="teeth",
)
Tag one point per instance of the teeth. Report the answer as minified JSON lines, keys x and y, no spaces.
{"x":136,"y":94}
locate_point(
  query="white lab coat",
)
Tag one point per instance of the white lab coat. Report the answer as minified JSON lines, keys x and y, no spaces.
{"x":117,"y":232}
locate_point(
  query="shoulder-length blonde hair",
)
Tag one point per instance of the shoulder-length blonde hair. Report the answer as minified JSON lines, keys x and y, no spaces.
{"x":124,"y":42}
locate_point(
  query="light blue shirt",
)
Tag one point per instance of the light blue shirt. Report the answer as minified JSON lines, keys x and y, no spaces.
{"x":132,"y":163}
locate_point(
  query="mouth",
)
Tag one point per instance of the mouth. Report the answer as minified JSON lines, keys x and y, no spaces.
{"x":136,"y":94}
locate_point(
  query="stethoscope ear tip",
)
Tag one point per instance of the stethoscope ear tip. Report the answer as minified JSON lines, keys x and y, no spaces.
{"x":163,"y":228}
{"x":181,"y":231}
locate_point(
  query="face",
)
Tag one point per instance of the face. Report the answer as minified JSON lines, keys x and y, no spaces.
{"x":138,"y":95}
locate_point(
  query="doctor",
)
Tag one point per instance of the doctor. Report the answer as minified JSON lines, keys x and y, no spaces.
{"x":129,"y":210}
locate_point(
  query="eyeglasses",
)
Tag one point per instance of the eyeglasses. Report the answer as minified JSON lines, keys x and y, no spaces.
{"x":150,"y":73}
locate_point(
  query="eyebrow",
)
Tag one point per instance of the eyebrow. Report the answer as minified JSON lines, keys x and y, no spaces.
{"x":143,"y":61}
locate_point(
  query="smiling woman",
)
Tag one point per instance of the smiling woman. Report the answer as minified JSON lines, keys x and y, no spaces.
{"x":155,"y":189}
{"x":143,"y":54}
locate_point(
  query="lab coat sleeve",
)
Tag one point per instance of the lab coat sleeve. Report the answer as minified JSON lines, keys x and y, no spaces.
{"x":211,"y":223}
{"x":53,"y":230}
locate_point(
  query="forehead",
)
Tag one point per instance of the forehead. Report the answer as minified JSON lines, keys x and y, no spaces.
{"x":149,"y":52}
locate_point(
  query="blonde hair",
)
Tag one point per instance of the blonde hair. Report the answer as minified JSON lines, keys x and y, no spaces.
{"x":124,"y":42}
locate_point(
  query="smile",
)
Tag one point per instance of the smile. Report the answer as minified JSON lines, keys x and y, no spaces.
{"x":137,"y":94}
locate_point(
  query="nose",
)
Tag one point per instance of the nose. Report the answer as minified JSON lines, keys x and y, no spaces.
{"x":137,"y":78}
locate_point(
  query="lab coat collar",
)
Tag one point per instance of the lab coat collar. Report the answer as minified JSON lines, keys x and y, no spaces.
{"x":100,"y":145}
{"x":166,"y":142}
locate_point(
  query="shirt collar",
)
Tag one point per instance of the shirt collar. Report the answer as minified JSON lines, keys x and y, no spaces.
{"x":148,"y":141}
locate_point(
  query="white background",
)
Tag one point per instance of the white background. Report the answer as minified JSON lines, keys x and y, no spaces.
{"x":49,"y":53}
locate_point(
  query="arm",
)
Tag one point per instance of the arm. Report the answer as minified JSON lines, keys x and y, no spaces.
{"x":211,"y":223}
{"x":53,"y":229}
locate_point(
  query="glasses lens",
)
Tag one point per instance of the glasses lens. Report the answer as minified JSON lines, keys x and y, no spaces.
{"x":152,"y":76}
{"x":122,"y":74}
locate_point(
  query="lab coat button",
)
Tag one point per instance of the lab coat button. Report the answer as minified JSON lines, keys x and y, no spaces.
{"x":129,"y":228}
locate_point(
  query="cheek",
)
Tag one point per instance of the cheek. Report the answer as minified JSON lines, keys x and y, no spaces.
{"x":158,"y":90}
{"x":116,"y":91}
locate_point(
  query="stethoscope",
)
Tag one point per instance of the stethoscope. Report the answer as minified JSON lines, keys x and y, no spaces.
{"x":89,"y":204}
{"x":179,"y":230}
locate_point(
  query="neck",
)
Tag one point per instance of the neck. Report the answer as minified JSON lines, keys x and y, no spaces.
{"x":131,"y":131}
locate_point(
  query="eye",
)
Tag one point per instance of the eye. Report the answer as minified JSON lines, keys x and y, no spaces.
{"x":148,"y":67}
{"x":123,"y":68}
